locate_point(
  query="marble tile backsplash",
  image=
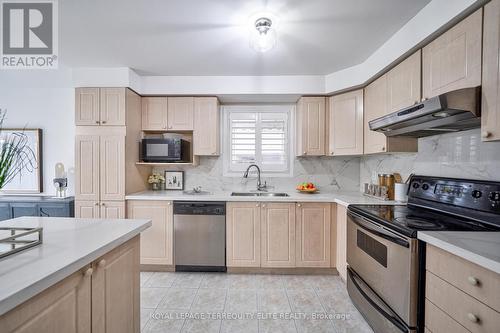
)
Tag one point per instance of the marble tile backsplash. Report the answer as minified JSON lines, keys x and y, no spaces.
{"x":329,"y":174}
{"x":459,"y":155}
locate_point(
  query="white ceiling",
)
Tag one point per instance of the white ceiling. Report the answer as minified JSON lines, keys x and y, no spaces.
{"x":210,"y":37}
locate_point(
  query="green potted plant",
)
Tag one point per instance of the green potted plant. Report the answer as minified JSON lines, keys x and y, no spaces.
{"x":16,"y":156}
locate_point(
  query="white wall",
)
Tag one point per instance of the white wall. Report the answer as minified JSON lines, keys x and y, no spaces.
{"x":43,"y":99}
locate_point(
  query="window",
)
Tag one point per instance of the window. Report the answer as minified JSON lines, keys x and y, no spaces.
{"x":257,"y":135}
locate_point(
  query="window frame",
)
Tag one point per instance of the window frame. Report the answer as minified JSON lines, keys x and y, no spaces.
{"x":250,"y":108}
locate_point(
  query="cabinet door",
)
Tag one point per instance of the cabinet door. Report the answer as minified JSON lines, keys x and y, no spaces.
{"x":278,"y":235}
{"x":87,"y":209}
{"x":64,"y":307}
{"x":5,"y":213}
{"x":115,"y":290}
{"x":206,"y":133}
{"x":342,"y":241}
{"x":23,"y":209}
{"x":87,"y":167}
{"x":154,"y":113}
{"x":112,"y":108}
{"x":112,"y":167}
{"x":180,"y":113}
{"x":112,"y":209}
{"x":453,"y":60}
{"x":87,"y":106}
{"x":490,"y":112}
{"x":346,"y":124}
{"x":403,"y":84}
{"x":311,"y":126}
{"x":243,"y":234}
{"x":313,"y":234}
{"x":156,"y":241}
{"x":375,"y":107}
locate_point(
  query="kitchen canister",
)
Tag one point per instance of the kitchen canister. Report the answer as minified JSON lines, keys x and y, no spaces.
{"x":400,"y":192}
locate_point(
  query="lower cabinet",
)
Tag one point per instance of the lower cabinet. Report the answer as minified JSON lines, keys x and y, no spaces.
{"x":341,"y":252}
{"x":102,"y":297}
{"x":157,"y":241}
{"x":276,"y":235}
{"x":102,"y":209}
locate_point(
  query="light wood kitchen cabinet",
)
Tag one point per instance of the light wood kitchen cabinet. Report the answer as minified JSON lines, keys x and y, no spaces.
{"x":100,"y":106}
{"x":87,"y":106}
{"x":453,"y":60}
{"x":87,"y":209}
{"x":313,"y":234}
{"x":112,"y":210}
{"x":180,"y":113}
{"x":310,"y":127}
{"x":346,"y":124}
{"x":112,"y":167}
{"x":490,"y":112}
{"x":278,"y":234}
{"x":243,"y":236}
{"x":154,"y":113}
{"x":156,"y":241}
{"x":206,"y":133}
{"x":64,"y":307}
{"x":116,"y":291}
{"x":341,"y":252}
{"x":87,"y":167}
{"x":403,"y":83}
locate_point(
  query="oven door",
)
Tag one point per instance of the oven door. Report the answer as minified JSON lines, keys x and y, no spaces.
{"x":387,"y":262}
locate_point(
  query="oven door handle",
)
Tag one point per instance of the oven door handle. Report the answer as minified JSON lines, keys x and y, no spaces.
{"x":378,"y":307}
{"x":378,"y":230}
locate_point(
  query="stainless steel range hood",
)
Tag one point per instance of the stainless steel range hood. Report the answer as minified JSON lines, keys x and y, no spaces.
{"x":454,"y":111}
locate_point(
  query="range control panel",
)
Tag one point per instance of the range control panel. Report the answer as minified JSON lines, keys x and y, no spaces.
{"x":474,"y":194}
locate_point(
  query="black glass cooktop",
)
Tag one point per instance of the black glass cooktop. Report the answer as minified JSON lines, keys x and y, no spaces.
{"x":407,"y":220}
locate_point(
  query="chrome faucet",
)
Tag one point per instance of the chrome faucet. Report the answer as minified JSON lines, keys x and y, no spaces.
{"x":260,"y":186}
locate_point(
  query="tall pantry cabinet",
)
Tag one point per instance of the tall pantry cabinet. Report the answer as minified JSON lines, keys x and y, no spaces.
{"x":108,"y":124}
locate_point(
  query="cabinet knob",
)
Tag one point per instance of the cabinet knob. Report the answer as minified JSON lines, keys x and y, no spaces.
{"x":299,"y":205}
{"x":97,"y":122}
{"x":169,"y":127}
{"x":102,"y":263}
{"x":169,"y":203}
{"x":104,"y":121}
{"x":103,"y":204}
{"x":304,"y":153}
{"x":88,"y":272}
{"x":383,"y":148}
{"x":257,"y":205}
{"x":485,"y":134}
{"x":331,"y":153}
{"x":164,"y":127}
{"x":263,"y":206}
{"x":473,"y":281}
{"x":96,"y":204}
{"x":472,"y":317}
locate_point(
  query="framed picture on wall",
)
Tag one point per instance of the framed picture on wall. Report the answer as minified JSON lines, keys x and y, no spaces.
{"x":174,"y":180}
{"x":30,"y":180}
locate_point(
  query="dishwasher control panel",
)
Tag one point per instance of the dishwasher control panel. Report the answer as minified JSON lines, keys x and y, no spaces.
{"x":199,"y":208}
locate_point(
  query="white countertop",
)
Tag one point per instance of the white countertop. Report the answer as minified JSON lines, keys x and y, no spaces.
{"x":481,"y":248}
{"x":344,"y":198}
{"x":68,"y":245}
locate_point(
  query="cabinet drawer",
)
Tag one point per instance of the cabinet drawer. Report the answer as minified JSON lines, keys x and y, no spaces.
{"x":466,"y":276}
{"x":460,"y":306}
{"x":436,"y":321}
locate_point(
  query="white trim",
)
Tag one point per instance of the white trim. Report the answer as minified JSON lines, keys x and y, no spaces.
{"x":225,"y":142}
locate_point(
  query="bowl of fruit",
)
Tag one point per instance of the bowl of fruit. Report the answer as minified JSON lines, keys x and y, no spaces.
{"x":307,"y":188}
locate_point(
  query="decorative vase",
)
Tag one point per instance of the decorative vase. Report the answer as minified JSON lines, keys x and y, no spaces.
{"x":155,"y":186}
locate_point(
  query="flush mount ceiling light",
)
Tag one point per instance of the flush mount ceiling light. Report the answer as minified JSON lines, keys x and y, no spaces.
{"x":263,"y":38}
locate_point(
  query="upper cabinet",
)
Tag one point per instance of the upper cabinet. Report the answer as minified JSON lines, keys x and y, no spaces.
{"x":490,"y":112}
{"x":100,"y":106}
{"x":453,"y":60}
{"x":375,"y":107}
{"x":180,"y":113}
{"x":346,"y":124}
{"x":206,"y":133}
{"x":310,"y":129}
{"x":154,"y":113}
{"x":403,"y":84}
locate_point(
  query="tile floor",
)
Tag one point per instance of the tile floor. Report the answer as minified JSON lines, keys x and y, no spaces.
{"x":215,"y":302}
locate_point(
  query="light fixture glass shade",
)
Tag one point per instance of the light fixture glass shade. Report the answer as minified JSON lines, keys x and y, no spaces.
{"x":263,"y":36}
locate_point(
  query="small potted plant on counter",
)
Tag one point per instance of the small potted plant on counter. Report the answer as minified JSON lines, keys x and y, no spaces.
{"x":156,"y":180}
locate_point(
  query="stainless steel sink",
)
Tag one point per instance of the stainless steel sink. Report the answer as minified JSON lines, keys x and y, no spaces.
{"x":259,"y":194}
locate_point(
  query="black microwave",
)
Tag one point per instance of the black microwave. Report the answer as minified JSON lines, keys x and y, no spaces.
{"x":163,"y":150}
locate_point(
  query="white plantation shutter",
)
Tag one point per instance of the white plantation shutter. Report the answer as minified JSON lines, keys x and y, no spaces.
{"x":258,"y":137}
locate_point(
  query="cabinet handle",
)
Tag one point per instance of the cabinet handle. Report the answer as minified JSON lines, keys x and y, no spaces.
{"x":472,"y":317}
{"x":473,"y":281}
{"x":102,"y":263}
{"x":263,"y":206}
{"x":485,"y":134}
{"x":97,"y":122}
{"x":88,"y":272}
{"x":103,"y":122}
{"x":383,"y":148}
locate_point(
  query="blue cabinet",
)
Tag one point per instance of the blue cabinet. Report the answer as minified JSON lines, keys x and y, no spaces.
{"x":13,"y":206}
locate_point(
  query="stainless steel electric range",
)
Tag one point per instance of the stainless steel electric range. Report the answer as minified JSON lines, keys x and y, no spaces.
{"x":386,"y":262}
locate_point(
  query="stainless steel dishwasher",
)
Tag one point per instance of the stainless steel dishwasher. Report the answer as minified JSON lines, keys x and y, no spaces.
{"x":200,"y":236}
